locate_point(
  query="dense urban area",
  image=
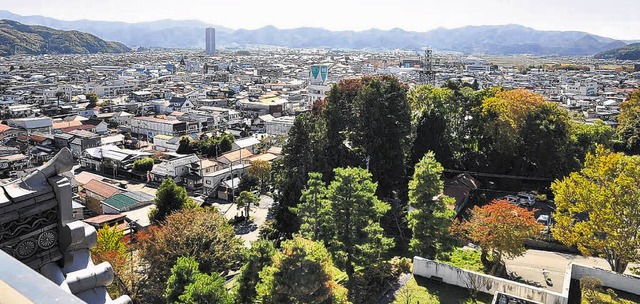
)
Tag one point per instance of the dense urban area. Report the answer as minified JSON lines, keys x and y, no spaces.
{"x":278,"y":175}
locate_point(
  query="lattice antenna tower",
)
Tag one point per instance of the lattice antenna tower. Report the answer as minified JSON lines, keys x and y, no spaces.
{"x":427,"y":74}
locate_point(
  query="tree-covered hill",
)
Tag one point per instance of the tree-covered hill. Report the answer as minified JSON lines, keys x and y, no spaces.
{"x":627,"y":52}
{"x":18,"y":38}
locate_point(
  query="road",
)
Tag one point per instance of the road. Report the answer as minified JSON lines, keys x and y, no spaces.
{"x":531,"y":266}
{"x":258,"y":214}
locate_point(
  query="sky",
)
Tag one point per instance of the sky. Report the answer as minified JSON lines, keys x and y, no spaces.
{"x":611,"y":18}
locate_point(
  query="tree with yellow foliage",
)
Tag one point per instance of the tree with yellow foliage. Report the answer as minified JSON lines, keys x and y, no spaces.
{"x":598,"y":208}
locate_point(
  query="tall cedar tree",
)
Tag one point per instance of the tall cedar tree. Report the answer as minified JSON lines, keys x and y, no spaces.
{"x":301,"y":273}
{"x":314,"y":210}
{"x":200,"y":233}
{"x":431,"y":219}
{"x":338,"y":120}
{"x":598,"y":208}
{"x":301,"y":156}
{"x":382,"y":125}
{"x":500,"y":228}
{"x":169,"y":198}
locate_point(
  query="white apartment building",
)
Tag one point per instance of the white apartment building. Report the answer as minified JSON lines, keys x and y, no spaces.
{"x":152,"y":126}
{"x":279,"y":126}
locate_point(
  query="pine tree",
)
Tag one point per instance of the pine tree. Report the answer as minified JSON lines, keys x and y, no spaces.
{"x":314,"y":209}
{"x":358,"y":239}
{"x":430,"y":220}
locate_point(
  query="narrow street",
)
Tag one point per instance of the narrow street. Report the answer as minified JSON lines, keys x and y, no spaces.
{"x":258,"y":214}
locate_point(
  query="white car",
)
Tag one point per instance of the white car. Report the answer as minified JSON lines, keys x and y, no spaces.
{"x":526,"y":199}
{"x":545,"y":220}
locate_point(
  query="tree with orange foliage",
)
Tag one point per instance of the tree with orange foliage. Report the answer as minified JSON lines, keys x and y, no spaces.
{"x":500,"y":228}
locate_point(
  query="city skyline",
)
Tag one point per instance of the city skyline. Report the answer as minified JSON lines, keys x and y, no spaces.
{"x":615,"y":20}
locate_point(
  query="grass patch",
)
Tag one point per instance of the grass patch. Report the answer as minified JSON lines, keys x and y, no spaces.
{"x":464,"y":258}
{"x":603,"y":297}
{"x":423,"y":291}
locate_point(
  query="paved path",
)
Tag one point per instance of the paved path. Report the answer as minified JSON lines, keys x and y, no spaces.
{"x":259,"y":215}
{"x":531,"y":266}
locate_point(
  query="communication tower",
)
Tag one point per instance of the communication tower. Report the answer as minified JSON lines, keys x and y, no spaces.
{"x":427,"y":74}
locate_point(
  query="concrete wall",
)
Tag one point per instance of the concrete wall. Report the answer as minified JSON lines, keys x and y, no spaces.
{"x":628,"y":283}
{"x":484,"y":283}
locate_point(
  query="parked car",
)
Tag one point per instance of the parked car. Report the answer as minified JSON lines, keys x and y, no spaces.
{"x":526,"y":199}
{"x":545,"y":220}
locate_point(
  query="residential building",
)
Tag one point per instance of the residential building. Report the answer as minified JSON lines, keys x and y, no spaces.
{"x":33,"y":124}
{"x":279,"y":126}
{"x":126,"y":201}
{"x":183,"y":169}
{"x":97,"y":191}
{"x":111,"y":160}
{"x":83,"y":140}
{"x":166,"y":143}
{"x":148,"y":127}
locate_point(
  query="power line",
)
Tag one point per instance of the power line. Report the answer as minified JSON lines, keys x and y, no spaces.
{"x":483,"y":174}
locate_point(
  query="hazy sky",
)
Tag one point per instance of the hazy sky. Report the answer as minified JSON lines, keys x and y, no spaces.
{"x":613,"y":18}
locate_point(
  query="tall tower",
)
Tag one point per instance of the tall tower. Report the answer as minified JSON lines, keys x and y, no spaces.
{"x":210,"y":40}
{"x":427,"y":74}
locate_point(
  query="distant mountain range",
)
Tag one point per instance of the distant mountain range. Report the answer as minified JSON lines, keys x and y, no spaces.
{"x":491,"y":39}
{"x":18,"y":38}
{"x":627,"y":52}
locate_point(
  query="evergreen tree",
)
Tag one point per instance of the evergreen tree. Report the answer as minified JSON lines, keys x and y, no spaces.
{"x":431,"y":219}
{"x":182,"y":274}
{"x":93,"y":100}
{"x":314,"y":210}
{"x":187,"y":285}
{"x":169,"y":198}
{"x":301,"y":156}
{"x":206,"y":289}
{"x":301,"y":273}
{"x":259,"y":256}
{"x":382,"y":125}
{"x":358,"y":239}
{"x":184,"y":146}
{"x":247,"y":200}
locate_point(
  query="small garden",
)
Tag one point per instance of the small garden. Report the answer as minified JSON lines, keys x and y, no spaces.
{"x":424,"y":291}
{"x":594,"y":293}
